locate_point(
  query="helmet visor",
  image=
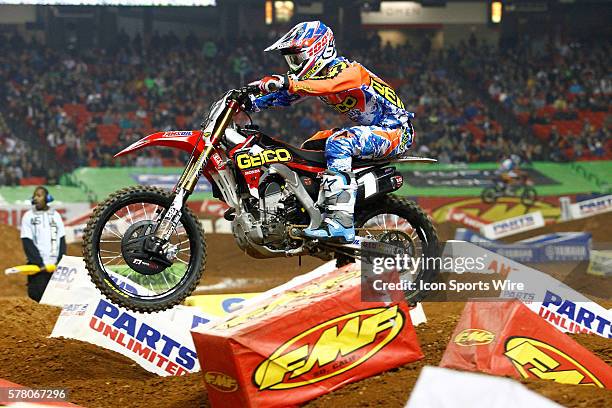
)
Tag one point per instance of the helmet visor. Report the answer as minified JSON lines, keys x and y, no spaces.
{"x":296,"y":60}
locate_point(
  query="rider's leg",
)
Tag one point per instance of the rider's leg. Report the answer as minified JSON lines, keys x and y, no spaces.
{"x":339,"y":188}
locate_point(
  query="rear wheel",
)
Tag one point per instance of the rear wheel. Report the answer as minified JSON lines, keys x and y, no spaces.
{"x":528,"y":196}
{"x":402,"y":223}
{"x":113,"y":250}
{"x":488,"y":195}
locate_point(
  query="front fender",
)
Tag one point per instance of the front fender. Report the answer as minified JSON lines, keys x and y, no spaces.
{"x":179,"y":139}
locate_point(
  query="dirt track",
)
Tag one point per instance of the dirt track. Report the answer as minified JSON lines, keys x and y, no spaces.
{"x":101,"y":378}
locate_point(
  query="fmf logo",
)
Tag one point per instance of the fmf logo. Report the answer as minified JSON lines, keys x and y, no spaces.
{"x":536,"y":359}
{"x":141,"y":339}
{"x":220,"y":381}
{"x":329,"y":349}
{"x":474,"y":337}
{"x":576,"y":313}
{"x":504,"y":208}
{"x":246,"y":161}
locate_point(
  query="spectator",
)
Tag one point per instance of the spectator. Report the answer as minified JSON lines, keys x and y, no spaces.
{"x":43,"y":239}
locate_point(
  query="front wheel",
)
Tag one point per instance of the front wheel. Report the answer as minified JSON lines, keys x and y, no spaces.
{"x":121,"y":268}
{"x":402,"y":223}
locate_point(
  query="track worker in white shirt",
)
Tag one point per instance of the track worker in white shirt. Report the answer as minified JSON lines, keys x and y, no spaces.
{"x":43,"y":239}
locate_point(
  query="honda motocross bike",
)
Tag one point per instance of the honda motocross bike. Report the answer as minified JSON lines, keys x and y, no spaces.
{"x":145,"y":250}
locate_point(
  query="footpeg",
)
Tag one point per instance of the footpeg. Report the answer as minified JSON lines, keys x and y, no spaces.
{"x":230,"y":214}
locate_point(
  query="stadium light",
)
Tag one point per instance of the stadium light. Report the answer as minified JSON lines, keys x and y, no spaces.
{"x":496,"y":12}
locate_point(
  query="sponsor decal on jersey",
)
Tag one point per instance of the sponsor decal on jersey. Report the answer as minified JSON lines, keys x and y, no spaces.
{"x":221,"y":381}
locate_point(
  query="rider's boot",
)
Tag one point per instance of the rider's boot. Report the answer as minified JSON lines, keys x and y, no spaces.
{"x":337,"y":198}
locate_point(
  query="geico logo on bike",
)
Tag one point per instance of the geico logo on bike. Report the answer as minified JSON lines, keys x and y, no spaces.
{"x":536,"y":359}
{"x":333,"y":347}
{"x":142,"y":339}
{"x":286,"y":297}
{"x":247,"y":161}
{"x":64,"y":274}
{"x":220,"y":381}
{"x":557,"y":310}
{"x":474,"y":337}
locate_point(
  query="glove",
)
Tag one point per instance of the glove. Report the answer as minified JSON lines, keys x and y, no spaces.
{"x":273,"y":83}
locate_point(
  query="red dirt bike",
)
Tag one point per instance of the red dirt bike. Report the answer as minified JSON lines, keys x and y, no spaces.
{"x":145,"y":250}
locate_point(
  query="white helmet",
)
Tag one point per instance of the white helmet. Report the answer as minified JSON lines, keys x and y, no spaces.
{"x":308,"y":48}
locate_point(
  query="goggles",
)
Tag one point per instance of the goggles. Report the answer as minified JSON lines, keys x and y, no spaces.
{"x":296,"y":60}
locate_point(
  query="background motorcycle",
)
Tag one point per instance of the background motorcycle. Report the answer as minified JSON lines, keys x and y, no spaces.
{"x":145,"y":249}
{"x":522,"y":188}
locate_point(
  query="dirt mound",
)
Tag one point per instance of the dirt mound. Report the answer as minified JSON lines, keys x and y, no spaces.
{"x":598,"y":226}
{"x":11,"y":254}
{"x":102,"y":378}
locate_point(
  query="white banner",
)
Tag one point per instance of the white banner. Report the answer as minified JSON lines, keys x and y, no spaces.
{"x":513,"y":225}
{"x":159,"y":342}
{"x":462,"y":389}
{"x":591,"y":207}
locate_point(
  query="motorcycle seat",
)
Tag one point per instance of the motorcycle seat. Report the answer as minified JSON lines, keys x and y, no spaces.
{"x":317,"y":157}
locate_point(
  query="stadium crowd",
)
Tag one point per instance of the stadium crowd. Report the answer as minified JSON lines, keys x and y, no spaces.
{"x":82,"y":106}
{"x":562,"y":91}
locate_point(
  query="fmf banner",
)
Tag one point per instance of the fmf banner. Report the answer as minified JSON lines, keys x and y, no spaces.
{"x":591,"y":207}
{"x":513,"y":225}
{"x":507,"y":339}
{"x":298,"y":344}
{"x":560,"y":305}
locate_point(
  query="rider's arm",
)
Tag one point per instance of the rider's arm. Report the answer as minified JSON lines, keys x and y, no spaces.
{"x":340,"y":77}
{"x":278,"y":98}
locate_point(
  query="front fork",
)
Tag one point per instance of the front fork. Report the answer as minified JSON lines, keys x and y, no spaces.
{"x":187,"y":183}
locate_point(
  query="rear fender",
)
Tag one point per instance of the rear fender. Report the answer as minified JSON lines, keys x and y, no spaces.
{"x":377,"y":182}
{"x":179,"y":139}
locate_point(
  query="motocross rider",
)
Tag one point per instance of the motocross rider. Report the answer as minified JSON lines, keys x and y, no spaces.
{"x":383,"y":127}
{"x":509,"y":173}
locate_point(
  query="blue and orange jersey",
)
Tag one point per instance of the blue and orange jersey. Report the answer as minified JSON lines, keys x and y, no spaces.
{"x":350,"y":89}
